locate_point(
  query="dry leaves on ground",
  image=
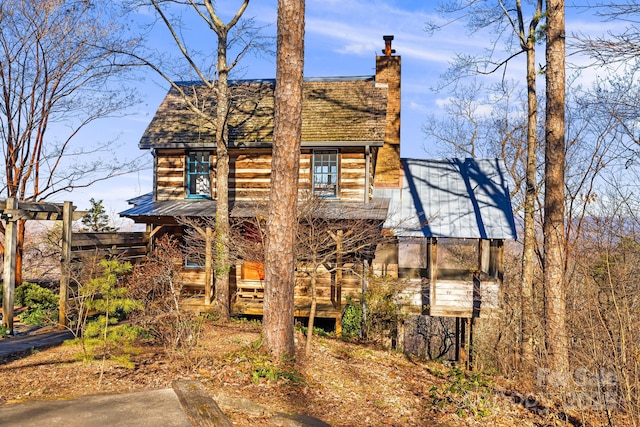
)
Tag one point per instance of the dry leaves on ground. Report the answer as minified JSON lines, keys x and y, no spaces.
{"x":340,"y":383}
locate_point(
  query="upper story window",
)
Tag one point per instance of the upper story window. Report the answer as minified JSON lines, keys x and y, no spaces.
{"x":325,"y":173}
{"x":198,"y":178}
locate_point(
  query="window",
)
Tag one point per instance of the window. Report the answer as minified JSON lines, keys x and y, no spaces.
{"x":193,"y":261}
{"x":198,"y":180}
{"x":325,"y":173}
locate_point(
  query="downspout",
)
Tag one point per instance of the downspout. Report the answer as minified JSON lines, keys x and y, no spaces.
{"x":367,"y":178}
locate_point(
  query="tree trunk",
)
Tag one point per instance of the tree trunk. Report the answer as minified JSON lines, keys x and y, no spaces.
{"x":528,"y":250}
{"x":555,"y":304}
{"x":312,"y":312}
{"x":278,"y":318}
{"x":222,"y":262}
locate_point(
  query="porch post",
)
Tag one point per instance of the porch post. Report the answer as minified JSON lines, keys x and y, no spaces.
{"x":65,"y":263}
{"x":207,"y":265}
{"x":9,"y":285}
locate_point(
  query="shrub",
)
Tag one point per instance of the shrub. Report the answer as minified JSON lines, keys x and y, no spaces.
{"x":104,"y":296}
{"x":382,"y":309}
{"x":352,"y":318}
{"x":158,"y":284}
{"x":41,"y":303}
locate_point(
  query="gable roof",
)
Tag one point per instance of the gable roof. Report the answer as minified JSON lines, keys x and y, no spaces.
{"x":457,"y":198}
{"x":335,"y":111}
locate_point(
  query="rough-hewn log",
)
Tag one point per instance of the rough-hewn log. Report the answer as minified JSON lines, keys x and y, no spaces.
{"x":198,"y":404}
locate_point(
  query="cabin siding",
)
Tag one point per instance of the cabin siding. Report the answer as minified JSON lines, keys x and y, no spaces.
{"x":430,"y":289}
{"x":170,"y":175}
{"x":250,"y":174}
{"x":352,"y":176}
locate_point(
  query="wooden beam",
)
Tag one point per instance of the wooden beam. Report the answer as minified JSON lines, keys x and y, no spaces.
{"x":109,"y":239}
{"x":198,"y":404}
{"x":9,"y":285}
{"x":156,"y":230}
{"x":208,"y":261}
{"x":38,"y":211}
{"x":339,"y":265}
{"x":65,"y":263}
{"x":22,"y":214}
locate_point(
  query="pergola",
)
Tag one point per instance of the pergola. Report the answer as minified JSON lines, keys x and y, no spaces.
{"x":12,"y":211}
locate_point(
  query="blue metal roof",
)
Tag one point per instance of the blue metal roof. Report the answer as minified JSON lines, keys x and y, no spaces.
{"x":456,"y":198}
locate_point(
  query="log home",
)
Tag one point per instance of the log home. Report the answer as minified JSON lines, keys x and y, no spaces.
{"x":350,"y":159}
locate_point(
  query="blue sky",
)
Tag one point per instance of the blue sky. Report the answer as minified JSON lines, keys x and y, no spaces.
{"x":342,"y":39}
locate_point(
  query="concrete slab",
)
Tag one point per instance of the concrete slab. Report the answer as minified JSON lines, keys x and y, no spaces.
{"x":18,"y":344}
{"x":142,"y":409}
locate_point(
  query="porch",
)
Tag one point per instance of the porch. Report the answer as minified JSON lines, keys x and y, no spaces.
{"x":247,"y":285}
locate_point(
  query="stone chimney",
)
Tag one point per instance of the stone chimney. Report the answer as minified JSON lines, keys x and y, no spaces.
{"x":387,"y":166}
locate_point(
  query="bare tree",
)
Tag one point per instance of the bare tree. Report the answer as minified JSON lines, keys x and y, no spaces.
{"x":613,"y":48}
{"x":243,"y":36}
{"x":278,"y":318}
{"x":507,"y":18}
{"x":605,"y":301}
{"x":58,"y":75}
{"x":332,"y":241}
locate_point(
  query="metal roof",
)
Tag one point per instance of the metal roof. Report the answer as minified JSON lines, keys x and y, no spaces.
{"x":456,"y":198}
{"x":147,"y":210}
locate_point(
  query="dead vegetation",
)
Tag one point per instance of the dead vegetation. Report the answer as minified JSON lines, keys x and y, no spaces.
{"x":342,"y":383}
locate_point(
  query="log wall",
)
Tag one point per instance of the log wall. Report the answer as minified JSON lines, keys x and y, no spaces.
{"x":170,"y":175}
{"x":250,"y":174}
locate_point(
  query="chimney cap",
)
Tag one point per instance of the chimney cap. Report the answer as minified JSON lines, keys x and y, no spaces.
{"x":387,"y":45}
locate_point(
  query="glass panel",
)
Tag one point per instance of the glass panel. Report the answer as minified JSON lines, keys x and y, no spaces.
{"x":199,"y":183}
{"x":325,"y":173}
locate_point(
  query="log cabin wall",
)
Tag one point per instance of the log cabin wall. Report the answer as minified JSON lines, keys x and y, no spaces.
{"x":352,"y":175}
{"x":169,"y":174}
{"x":250,"y":174}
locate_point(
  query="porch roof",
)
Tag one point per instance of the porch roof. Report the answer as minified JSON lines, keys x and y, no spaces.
{"x":146,"y":210}
{"x":456,"y":198}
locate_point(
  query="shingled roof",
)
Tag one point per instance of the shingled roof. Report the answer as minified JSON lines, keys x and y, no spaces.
{"x":335,"y":110}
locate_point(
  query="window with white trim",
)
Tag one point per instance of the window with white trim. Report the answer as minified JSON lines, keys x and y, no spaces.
{"x":198,"y":179}
{"x":325,"y":173}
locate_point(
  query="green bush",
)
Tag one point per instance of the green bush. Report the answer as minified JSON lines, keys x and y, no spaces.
{"x":100,"y":335}
{"x":41,"y":303}
{"x":352,"y":318}
{"x":383,"y":308}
